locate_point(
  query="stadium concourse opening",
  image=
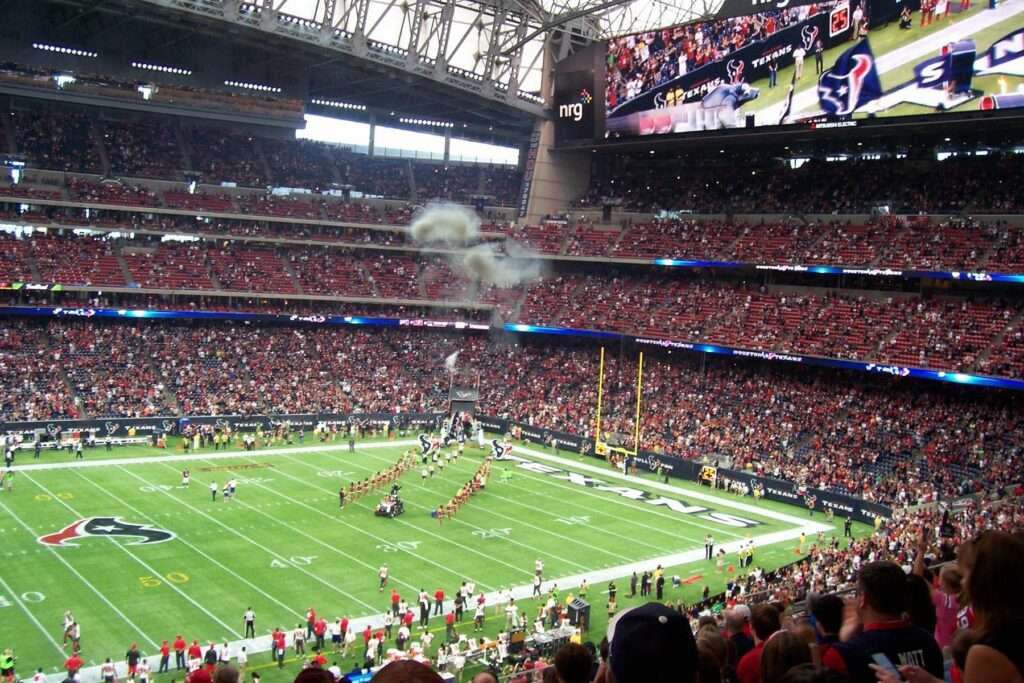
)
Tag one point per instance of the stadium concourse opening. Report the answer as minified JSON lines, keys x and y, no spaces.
{"x":499,"y":341}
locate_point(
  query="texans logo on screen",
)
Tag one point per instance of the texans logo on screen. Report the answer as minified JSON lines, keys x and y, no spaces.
{"x":111,"y":427}
{"x":52,"y":429}
{"x":809,"y":34}
{"x":168,"y":425}
{"x":734,"y":67}
{"x":105,"y":526}
{"x":221,"y":424}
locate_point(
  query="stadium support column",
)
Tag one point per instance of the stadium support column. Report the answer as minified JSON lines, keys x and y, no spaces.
{"x":373,"y":134}
{"x":556,"y":177}
{"x":447,"y":144}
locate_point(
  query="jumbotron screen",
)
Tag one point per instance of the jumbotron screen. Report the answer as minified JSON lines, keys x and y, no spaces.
{"x":827,"y":64}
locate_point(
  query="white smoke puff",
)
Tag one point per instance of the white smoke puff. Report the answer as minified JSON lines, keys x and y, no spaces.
{"x":482,"y":263}
{"x":448,"y":223}
{"x":449,"y":362}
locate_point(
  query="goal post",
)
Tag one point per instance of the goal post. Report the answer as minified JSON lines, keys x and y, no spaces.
{"x":601,"y":445}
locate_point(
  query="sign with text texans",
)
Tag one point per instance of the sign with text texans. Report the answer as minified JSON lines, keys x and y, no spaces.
{"x":110,"y":527}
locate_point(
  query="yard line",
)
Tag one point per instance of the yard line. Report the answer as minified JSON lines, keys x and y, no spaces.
{"x":316,"y":540}
{"x":205,"y":556}
{"x":81,"y":578}
{"x":32,"y":617}
{"x":245,"y":538}
{"x":489,"y":511}
{"x":378,"y":538}
{"x":466,"y":547}
{"x":142,"y":562}
{"x":160,"y":459}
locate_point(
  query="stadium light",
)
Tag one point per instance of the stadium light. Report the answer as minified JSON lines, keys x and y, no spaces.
{"x":426,"y":122}
{"x":339,"y":105}
{"x":161,"y":68}
{"x":60,"y":49}
{"x":253,"y":86}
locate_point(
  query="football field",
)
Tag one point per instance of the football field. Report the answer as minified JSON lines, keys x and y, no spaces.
{"x":138,"y":558}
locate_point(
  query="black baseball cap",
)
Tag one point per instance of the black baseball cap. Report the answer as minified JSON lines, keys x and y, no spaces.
{"x":651,"y":644}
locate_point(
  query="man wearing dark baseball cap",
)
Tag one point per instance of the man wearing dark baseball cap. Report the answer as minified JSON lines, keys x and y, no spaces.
{"x":651,"y":644}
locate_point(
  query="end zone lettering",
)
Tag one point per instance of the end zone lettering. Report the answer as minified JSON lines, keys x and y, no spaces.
{"x":678,"y":506}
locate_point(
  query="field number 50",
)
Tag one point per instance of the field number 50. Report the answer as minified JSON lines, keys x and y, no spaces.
{"x":154,"y":581}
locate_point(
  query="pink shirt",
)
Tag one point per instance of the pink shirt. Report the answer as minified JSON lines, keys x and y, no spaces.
{"x":946,"y":608}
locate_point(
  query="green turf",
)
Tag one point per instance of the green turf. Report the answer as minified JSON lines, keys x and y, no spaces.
{"x":283,"y":545}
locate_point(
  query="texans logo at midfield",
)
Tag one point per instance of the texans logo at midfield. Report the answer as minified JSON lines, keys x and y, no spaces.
{"x":105,"y":526}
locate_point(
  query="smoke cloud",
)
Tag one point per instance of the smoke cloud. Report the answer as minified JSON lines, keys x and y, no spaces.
{"x":483,"y":264}
{"x":456,"y":227}
{"x":448,"y":223}
{"x":450,"y":361}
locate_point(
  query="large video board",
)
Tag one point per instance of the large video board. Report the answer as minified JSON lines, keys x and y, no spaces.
{"x":828,"y":64}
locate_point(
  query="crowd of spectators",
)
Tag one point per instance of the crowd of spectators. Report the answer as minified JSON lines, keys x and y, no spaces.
{"x":164,"y":148}
{"x":959,"y":183}
{"x":59,"y":141}
{"x":877,"y":438}
{"x":147,"y":148}
{"x":960,"y":333}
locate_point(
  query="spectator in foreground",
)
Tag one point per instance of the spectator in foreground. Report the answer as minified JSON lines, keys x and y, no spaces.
{"x":993,"y":584}
{"x":783,"y":651}
{"x":406,"y":671}
{"x":828,"y":619}
{"x":736,"y":628}
{"x":765,"y":620}
{"x":875,"y":624}
{"x":650,"y":644}
{"x":573,"y":663}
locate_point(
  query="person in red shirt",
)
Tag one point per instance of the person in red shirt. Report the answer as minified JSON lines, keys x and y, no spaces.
{"x":310,"y":622}
{"x":279,"y":646}
{"x":194,"y":651}
{"x":165,"y":658}
{"x":319,"y":630}
{"x":179,"y":653}
{"x":407,"y":618}
{"x":367,"y":634}
{"x":319,"y":661}
{"x":449,"y":626}
{"x":438,"y":601}
{"x":765,"y":620}
{"x":73,"y":664}
{"x":344,"y":627}
{"x":395,"y":599}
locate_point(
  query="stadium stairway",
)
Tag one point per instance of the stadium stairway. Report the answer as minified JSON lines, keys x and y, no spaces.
{"x":179,"y":137}
{"x":124,"y":268}
{"x":261,"y":158}
{"x":411,"y":176}
{"x":997,"y":342}
{"x":296,"y":282}
{"x":9,"y":144}
{"x":96,"y":136}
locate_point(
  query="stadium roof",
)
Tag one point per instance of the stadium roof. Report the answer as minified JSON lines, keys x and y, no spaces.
{"x":617,"y":18}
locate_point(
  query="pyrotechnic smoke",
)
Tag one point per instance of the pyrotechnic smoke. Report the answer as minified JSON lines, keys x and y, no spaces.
{"x":483,"y":264}
{"x":449,"y":362}
{"x":449,"y":223}
{"x":457,"y":226}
